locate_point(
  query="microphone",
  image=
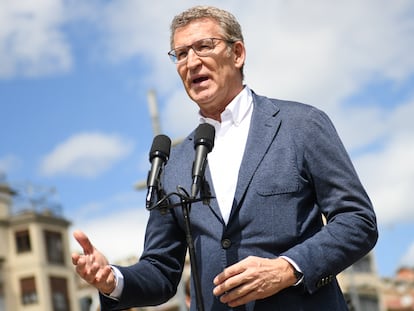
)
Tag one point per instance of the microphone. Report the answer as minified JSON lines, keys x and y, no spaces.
{"x":203,"y":144}
{"x":158,"y":156}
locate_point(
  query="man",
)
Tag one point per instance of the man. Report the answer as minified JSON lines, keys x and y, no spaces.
{"x":277,"y":170}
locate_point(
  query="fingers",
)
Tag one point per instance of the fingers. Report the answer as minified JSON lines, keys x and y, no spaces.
{"x":101,"y":277}
{"x":105,"y":279}
{"x":231,"y":277}
{"x":251,"y":279}
{"x":92,"y":266}
{"x":83,"y":241}
{"x":88,"y":269}
{"x":238,"y":290}
{"x":88,"y":272}
{"x":229,"y":272}
{"x":226,"y":281}
{"x":104,"y":275}
{"x":75,"y":258}
{"x":239,"y":296}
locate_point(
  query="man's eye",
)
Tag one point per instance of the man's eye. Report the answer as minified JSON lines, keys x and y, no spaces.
{"x":181,"y":54}
{"x":203,"y":47}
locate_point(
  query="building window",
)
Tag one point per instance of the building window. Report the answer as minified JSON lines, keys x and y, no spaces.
{"x":369,"y":303}
{"x":54,"y":247}
{"x":60,"y":297}
{"x":23,"y":241}
{"x":28,"y":290}
{"x":86,"y":303}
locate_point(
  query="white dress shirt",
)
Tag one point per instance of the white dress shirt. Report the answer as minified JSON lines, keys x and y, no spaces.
{"x":229,"y":144}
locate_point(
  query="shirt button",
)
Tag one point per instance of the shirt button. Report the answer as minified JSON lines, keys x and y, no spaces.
{"x":226,"y":243}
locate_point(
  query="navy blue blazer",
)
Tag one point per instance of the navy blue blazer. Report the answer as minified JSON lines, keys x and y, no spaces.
{"x":294,"y":171}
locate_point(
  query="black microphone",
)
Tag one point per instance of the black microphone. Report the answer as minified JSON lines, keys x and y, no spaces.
{"x":203,"y":144}
{"x":158,"y":156}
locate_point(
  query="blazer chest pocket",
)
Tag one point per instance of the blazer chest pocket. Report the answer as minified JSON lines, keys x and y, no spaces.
{"x":277,"y":173}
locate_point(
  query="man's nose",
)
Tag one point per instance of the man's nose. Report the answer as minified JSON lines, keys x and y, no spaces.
{"x":192,"y":58}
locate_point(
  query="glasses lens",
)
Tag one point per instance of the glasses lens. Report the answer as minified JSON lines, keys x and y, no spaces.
{"x":203,"y":47}
{"x":172,"y":56}
{"x":181,"y":53}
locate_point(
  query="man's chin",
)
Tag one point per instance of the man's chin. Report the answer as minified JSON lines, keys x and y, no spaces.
{"x":201,"y":97}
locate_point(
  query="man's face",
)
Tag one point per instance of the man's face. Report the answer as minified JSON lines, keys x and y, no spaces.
{"x":211,"y":81}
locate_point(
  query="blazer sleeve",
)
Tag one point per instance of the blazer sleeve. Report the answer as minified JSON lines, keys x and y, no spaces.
{"x":155,"y":277}
{"x":351,"y":229}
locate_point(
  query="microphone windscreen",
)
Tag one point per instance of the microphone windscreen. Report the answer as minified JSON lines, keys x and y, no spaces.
{"x":204,"y":135}
{"x":161,"y":146}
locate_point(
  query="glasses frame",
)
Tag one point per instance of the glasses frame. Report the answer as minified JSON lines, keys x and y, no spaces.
{"x":173,"y":53}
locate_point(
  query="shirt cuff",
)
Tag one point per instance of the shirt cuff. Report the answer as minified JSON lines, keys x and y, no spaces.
{"x":294,"y":264}
{"x":119,"y":284}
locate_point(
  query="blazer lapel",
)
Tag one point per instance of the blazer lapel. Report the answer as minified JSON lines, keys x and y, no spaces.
{"x":263,"y":129}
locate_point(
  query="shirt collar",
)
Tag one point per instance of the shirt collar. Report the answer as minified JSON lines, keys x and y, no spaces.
{"x":235,"y":111}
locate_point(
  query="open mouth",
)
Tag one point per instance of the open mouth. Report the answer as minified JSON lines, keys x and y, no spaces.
{"x":199,"y":80}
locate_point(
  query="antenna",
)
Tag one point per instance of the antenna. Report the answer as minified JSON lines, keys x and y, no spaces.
{"x":37,"y":198}
{"x":153,"y":111}
{"x":156,"y":128}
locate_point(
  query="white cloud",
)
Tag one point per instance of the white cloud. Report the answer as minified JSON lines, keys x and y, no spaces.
{"x":389,"y":181}
{"x":85,"y":155}
{"x":133,"y":27}
{"x":361,"y":125}
{"x":31,"y":41}
{"x":179,"y":107}
{"x":119,"y":233}
{"x":135,"y":30}
{"x":118,"y":236}
{"x":322,"y":51}
{"x":388,"y":173}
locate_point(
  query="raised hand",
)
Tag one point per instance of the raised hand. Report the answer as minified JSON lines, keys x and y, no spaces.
{"x":92,"y":265}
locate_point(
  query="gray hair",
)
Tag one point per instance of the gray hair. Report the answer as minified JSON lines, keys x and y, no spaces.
{"x":230,"y":27}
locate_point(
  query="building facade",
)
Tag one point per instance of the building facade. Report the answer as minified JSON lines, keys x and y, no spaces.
{"x":362,"y":286}
{"x":35,"y":269}
{"x":399,"y":290}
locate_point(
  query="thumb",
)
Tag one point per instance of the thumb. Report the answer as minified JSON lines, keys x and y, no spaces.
{"x":84,"y":242}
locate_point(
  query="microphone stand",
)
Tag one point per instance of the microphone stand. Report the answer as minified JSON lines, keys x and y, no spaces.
{"x":185,"y":203}
{"x":186,"y":207}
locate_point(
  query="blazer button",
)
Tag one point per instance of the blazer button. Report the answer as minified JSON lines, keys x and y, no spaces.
{"x":226,"y":243}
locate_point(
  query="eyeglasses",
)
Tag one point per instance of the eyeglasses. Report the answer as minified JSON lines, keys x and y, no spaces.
{"x":203,"y":47}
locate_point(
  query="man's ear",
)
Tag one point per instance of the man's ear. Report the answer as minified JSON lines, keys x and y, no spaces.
{"x":239,"y":53}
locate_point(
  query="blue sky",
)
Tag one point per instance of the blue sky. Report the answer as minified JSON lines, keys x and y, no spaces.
{"x":74,"y":79}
